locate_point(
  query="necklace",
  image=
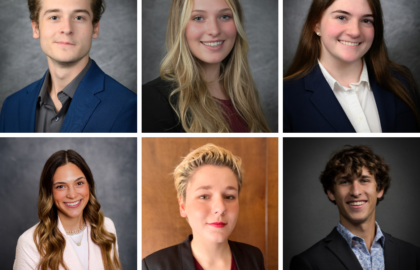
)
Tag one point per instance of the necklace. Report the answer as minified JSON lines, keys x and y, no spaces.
{"x":70,"y":233}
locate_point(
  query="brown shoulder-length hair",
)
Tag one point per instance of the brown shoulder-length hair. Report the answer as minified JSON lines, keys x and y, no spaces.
{"x":48,"y":239}
{"x":377,"y":59}
{"x":349,"y":161}
{"x":97,"y":6}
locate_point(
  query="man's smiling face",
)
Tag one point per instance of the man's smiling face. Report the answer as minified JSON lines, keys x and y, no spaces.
{"x":356,"y":198}
{"x":65,"y":30}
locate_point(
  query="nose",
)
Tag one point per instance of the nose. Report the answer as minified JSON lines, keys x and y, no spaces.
{"x":71,"y":193}
{"x":219,"y":207}
{"x":355,"y":189}
{"x":354,"y":29}
{"x":213,"y":28}
{"x":66,"y":26}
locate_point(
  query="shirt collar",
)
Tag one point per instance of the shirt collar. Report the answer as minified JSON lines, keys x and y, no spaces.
{"x":349,"y":237}
{"x":364,"y":77}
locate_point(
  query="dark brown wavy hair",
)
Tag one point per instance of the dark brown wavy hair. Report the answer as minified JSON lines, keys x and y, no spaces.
{"x":377,"y":59}
{"x":97,"y":6}
{"x":48,"y":239}
{"x":349,"y":161}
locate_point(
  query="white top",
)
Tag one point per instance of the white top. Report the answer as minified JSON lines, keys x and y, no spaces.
{"x":357,"y":102}
{"x":82,"y":250}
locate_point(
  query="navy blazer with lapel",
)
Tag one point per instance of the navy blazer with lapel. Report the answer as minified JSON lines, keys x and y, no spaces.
{"x":180,"y":257}
{"x":100,"y":104}
{"x":309,"y":105}
{"x":333,"y":253}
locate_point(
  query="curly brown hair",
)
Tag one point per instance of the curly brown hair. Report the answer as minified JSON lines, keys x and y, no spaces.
{"x":349,"y":161}
{"x":97,"y":6}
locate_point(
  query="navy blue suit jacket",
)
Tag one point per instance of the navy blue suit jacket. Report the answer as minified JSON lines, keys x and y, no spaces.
{"x":100,"y":104}
{"x":309,"y":105}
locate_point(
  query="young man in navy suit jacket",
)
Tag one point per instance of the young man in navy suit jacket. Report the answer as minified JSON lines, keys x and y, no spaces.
{"x":356,"y":180}
{"x":74,"y":95}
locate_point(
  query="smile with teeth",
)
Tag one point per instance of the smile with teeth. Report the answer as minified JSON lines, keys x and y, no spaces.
{"x":73,"y":204}
{"x":213,"y":44}
{"x":357,"y":203}
{"x":350,"y":43}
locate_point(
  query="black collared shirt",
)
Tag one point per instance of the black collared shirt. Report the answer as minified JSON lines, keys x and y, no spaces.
{"x":47,"y":119}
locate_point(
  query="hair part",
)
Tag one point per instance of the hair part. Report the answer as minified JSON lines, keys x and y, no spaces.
{"x":350,"y":161}
{"x":48,"y":239}
{"x":208,"y":154}
{"x":97,"y":6}
{"x":377,"y":60}
{"x":197,"y":110}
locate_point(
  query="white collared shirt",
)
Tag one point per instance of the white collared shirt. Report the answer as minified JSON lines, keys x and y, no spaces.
{"x":357,"y":102}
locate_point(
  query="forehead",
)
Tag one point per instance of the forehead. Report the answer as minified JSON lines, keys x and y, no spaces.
{"x":206,"y":5}
{"x":67,"y":173}
{"x":354,"y":7}
{"x":217,"y":177}
{"x":65,"y":5}
{"x":363,"y":174}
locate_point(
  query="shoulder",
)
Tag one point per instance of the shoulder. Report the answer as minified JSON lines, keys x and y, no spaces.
{"x":26,"y":251}
{"x":158,"y":88}
{"x":163,"y":259}
{"x":109,"y":225}
{"x":245,"y":249}
{"x":402,"y":246}
{"x":19,"y":95}
{"x":247,"y":255}
{"x":112,"y":85}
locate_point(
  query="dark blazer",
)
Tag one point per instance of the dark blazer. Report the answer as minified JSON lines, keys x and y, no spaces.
{"x":333,"y":253}
{"x":180,"y":257}
{"x":309,"y":105}
{"x":100,"y":104}
{"x":157,"y":113}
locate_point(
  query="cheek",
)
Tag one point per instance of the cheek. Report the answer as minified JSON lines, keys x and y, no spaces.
{"x":230,"y":29}
{"x":57,"y":196}
{"x":369,"y":35}
{"x":192,"y":33}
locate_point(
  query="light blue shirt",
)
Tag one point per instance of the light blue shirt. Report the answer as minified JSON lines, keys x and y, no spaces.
{"x":369,"y":261}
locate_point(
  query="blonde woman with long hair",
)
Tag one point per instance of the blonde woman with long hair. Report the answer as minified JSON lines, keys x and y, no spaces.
{"x":72,"y":233}
{"x":205,"y":82}
{"x":208,"y":183}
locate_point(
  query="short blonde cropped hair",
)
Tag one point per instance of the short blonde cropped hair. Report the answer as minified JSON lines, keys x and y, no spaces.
{"x":208,"y":154}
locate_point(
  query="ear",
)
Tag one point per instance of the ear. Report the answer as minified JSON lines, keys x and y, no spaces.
{"x":182,"y":211}
{"x":317,"y":29}
{"x":330,"y":195}
{"x":380,"y":194}
{"x":35,"y":30}
{"x":95,"y":30}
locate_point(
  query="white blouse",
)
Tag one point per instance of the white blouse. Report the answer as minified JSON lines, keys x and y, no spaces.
{"x":82,"y":250}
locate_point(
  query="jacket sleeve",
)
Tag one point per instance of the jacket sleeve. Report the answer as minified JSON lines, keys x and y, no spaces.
{"x":126,"y":120}
{"x":144,"y":265}
{"x":27,"y":256}
{"x":299,"y":263}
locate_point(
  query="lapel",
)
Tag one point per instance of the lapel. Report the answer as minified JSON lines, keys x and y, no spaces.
{"x":337,"y":245}
{"x":325,"y":101}
{"x":84,"y":100}
{"x":186,"y":254}
{"x":390,"y":253}
{"x":95,"y":255}
{"x":27,"y":107}
{"x":70,"y":257}
{"x":385,"y":102}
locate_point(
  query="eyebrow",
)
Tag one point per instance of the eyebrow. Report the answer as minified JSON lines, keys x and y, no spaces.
{"x":210,"y":187}
{"x":74,"y":11}
{"x":347,"y":13}
{"x":222,"y":10}
{"x":64,"y":183}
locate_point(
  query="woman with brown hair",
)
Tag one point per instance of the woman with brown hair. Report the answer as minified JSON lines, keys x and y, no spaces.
{"x":72,"y":232}
{"x":341,"y":78}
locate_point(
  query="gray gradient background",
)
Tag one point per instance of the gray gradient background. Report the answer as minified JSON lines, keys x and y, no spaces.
{"x":401,"y":26}
{"x":113,"y":162}
{"x":23,"y":62}
{"x":261,"y":27}
{"x":309,"y":216}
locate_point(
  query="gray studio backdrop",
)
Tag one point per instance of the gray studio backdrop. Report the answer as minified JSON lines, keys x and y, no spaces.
{"x":23,"y":62}
{"x":309,"y":216}
{"x":261,"y":27}
{"x":113,"y":162}
{"x":402,"y":31}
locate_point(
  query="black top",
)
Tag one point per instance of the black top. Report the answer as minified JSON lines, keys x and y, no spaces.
{"x":180,"y":257}
{"x":334,"y":253}
{"x":157,"y":113}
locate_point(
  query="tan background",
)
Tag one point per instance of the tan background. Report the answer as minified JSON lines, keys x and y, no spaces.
{"x":257,"y":225}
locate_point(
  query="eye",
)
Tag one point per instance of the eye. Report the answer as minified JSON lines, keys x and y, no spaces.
{"x":367,"y":21}
{"x":80,"y":183}
{"x":79,"y":18}
{"x":341,"y":18}
{"x":225,"y":17}
{"x":59,"y":187}
{"x":53,"y":18}
{"x":343,"y":182}
{"x":198,"y":19}
{"x":204,"y":197}
{"x":230,"y":197}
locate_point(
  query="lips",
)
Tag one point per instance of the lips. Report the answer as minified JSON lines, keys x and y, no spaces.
{"x":213,"y":44}
{"x":73,"y":204}
{"x":218,"y":224}
{"x":64,"y":43}
{"x":348,"y":43}
{"x":357,"y":204}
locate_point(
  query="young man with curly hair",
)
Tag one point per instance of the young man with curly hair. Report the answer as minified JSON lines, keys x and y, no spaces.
{"x":74,"y":95}
{"x":356,"y":180}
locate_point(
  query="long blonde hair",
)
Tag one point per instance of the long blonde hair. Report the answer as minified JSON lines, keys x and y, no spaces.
{"x":48,"y":239}
{"x":195,"y":107}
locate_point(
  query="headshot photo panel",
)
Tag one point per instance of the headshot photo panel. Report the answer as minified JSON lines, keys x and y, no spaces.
{"x":350,"y":66}
{"x":351,"y":203}
{"x":210,"y":66}
{"x":69,"y":66}
{"x":209,"y":203}
{"x":77,"y":196}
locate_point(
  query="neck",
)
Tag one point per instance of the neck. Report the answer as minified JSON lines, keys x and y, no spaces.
{"x":345,"y":73}
{"x":211,"y":75}
{"x":63,"y":73}
{"x":210,"y":254}
{"x":71,"y":224}
{"x":365,"y":230}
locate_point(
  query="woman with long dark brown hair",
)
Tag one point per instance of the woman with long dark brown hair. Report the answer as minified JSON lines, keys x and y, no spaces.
{"x":72,"y":232}
{"x":341,"y":78}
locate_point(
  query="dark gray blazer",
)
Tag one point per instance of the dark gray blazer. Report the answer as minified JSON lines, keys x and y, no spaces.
{"x":333,"y":253}
{"x":180,"y":257}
